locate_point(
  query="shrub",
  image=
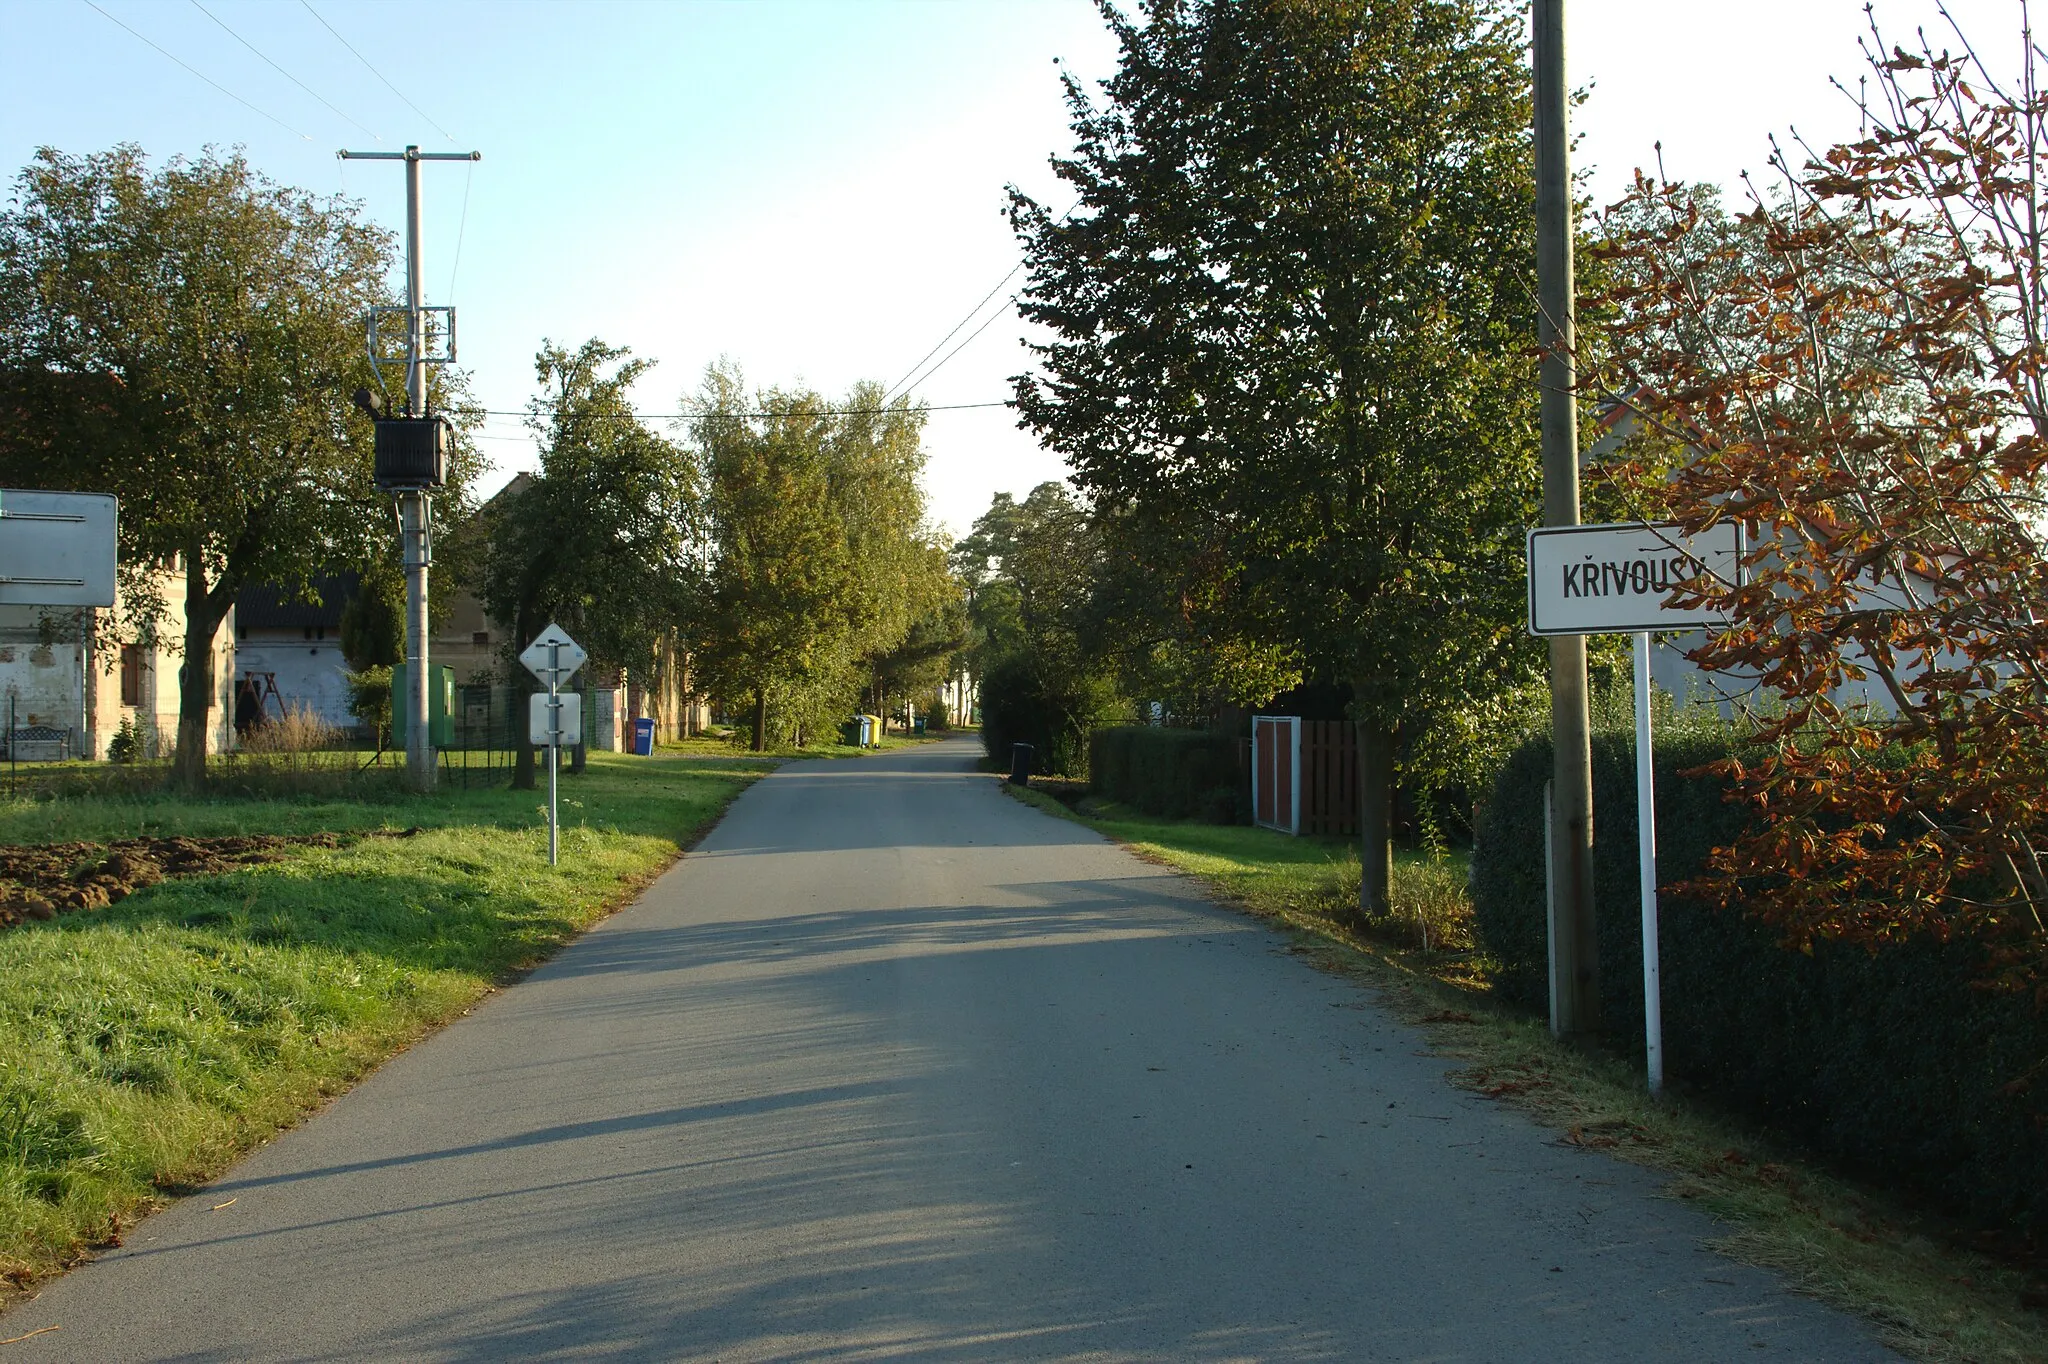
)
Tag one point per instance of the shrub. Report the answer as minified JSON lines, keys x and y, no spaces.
{"x":1891,"y":1061}
{"x":1025,"y":700}
{"x":122,"y":748}
{"x":1178,"y":773}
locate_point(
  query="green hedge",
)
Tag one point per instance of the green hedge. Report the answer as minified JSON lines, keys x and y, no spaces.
{"x":1179,"y":773}
{"x":1890,"y":1063}
{"x":1025,"y":699}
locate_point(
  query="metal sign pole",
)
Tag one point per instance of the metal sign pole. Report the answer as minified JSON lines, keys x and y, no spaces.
{"x":1646,"y":865}
{"x":554,"y":747}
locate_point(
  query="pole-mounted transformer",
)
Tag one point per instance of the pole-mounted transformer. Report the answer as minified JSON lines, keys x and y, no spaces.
{"x":412,"y":452}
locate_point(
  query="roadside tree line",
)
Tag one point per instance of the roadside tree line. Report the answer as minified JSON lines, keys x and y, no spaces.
{"x":187,"y":337}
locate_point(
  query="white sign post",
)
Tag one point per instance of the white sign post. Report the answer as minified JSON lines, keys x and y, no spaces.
{"x":1618,"y":579}
{"x":554,"y":719}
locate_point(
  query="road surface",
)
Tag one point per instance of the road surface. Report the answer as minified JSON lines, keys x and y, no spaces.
{"x":896,"y":1068}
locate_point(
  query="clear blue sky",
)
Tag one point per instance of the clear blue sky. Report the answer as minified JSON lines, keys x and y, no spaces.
{"x":814,"y":189}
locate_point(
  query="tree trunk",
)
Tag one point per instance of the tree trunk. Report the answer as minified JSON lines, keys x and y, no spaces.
{"x":1376,"y":741}
{"x":524,"y":685}
{"x":579,"y":755}
{"x":760,"y":719}
{"x":195,"y":676}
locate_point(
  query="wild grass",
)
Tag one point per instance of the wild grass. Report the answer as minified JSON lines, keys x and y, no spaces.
{"x":144,"y":1046}
{"x":1931,"y":1297}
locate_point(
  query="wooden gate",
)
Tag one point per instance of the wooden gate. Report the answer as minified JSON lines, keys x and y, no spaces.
{"x":1276,"y":772}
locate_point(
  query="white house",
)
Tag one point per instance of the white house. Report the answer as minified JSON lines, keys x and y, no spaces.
{"x":69,"y":682}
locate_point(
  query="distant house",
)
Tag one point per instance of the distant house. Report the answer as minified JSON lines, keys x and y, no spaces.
{"x":71,"y":684}
{"x":288,"y":653}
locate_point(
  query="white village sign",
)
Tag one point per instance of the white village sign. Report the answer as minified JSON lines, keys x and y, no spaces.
{"x":57,"y":549}
{"x":1619,"y":579}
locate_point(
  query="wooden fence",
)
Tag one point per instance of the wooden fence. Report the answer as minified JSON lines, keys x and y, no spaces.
{"x":1329,"y":777}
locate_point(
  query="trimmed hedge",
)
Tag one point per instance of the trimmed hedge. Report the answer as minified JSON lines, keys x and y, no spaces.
{"x":1178,"y":773}
{"x":1889,"y":1062}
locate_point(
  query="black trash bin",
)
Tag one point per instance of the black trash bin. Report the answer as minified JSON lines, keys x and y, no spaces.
{"x":1020,"y":764}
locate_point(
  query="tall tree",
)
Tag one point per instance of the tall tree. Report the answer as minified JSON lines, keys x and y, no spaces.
{"x":819,"y":560}
{"x":603,"y":539}
{"x":187,"y":338}
{"x":1291,"y":318}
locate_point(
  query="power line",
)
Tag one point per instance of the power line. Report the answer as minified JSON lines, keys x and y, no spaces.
{"x":281,"y":71}
{"x":904,"y":384}
{"x":956,"y":327}
{"x":371,"y":69}
{"x":201,"y":74}
{"x":992,"y":317}
{"x":827,"y":412}
{"x":460,"y":229}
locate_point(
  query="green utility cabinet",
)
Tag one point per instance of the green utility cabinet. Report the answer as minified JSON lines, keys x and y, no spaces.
{"x":440,"y":705}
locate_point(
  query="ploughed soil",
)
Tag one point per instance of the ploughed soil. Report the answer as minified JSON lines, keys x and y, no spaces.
{"x":47,"y":879}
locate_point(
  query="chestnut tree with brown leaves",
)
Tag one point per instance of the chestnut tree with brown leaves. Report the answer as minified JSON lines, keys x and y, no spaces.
{"x":1853,"y":368}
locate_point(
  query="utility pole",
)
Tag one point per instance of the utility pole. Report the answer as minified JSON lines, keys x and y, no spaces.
{"x":1574,"y":938}
{"x":415,"y":509}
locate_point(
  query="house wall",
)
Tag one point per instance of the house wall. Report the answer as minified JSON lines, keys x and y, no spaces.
{"x":308,"y":672}
{"x":63,"y":669}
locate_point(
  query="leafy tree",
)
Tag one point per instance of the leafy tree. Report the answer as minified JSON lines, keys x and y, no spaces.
{"x":601,"y":541}
{"x":187,"y":338}
{"x":819,"y":564}
{"x":1291,"y":320}
{"x":1045,"y":680}
{"x":1854,"y":369}
{"x":373,"y":620}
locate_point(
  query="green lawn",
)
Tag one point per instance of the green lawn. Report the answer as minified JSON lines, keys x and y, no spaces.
{"x":144,"y":1046}
{"x":1274,"y":873}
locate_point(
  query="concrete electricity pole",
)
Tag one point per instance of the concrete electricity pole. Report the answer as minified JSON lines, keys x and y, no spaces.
{"x":1574,"y":940}
{"x":415,"y":511}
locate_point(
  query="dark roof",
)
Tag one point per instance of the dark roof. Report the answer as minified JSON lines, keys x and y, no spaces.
{"x":266,"y":606}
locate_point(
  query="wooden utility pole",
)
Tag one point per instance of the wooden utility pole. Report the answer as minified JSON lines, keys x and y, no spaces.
{"x":1574,"y":941}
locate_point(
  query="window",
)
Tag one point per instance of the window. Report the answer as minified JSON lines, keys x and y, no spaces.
{"x":131,"y":674}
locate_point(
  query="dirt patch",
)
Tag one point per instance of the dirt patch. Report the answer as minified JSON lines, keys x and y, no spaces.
{"x":1066,"y":790}
{"x":44,"y":880}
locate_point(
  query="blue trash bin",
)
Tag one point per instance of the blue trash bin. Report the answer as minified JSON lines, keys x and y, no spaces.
{"x":643,"y":737}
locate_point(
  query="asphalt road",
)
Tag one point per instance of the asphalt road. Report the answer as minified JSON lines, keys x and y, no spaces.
{"x":896,"y":1068}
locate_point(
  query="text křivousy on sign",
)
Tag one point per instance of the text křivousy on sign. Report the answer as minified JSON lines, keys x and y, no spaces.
{"x":1616,"y":579}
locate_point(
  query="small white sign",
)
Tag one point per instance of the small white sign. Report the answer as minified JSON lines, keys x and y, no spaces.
{"x":555,"y":721}
{"x":553,"y":656}
{"x":57,"y":549}
{"x":1618,"y":579}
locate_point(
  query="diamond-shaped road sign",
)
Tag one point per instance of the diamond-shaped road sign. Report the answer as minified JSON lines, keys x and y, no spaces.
{"x":553,"y":656}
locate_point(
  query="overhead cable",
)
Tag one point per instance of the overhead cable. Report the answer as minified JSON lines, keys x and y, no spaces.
{"x":1007,"y":305}
{"x":904,"y":384}
{"x":900,"y":383}
{"x":461,"y":228}
{"x":827,"y":412}
{"x":202,"y":75}
{"x":371,"y":69}
{"x":282,"y":72}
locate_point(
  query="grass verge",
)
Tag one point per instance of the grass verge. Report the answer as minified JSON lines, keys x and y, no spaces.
{"x":1931,"y":1298}
{"x":145,"y":1046}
